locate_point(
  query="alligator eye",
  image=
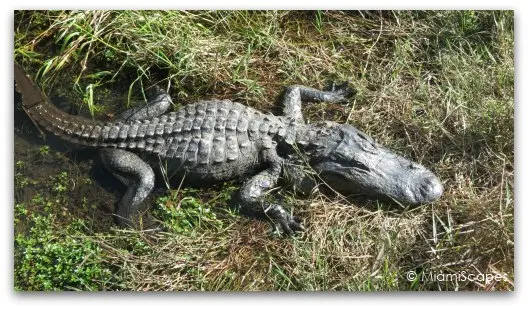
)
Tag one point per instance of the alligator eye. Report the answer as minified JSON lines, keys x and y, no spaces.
{"x":368,"y":146}
{"x":363,"y":136}
{"x":366,"y":142}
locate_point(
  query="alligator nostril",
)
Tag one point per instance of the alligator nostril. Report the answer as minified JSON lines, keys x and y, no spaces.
{"x":431,"y":189}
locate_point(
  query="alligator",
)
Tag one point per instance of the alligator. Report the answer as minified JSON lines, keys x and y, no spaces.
{"x":218,"y":140}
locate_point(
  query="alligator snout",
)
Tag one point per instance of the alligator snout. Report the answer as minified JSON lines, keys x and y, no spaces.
{"x":431,"y":189}
{"x":424,"y":188}
{"x":414,"y":186}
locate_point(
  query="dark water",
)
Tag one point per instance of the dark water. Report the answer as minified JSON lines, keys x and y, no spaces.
{"x":90,"y":191}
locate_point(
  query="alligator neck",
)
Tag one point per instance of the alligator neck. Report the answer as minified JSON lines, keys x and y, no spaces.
{"x":306,"y":138}
{"x":314,"y":137}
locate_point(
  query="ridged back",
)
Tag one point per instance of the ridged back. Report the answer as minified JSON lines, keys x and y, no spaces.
{"x":207,"y":132}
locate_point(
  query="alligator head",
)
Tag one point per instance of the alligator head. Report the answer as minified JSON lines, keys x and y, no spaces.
{"x":351,"y":162}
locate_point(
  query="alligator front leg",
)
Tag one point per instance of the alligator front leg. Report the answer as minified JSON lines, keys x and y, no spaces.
{"x":298,"y":178}
{"x":137,"y":175}
{"x":251,"y":196}
{"x":293,"y":96}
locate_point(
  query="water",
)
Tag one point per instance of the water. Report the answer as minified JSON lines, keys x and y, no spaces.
{"x":51,"y":177}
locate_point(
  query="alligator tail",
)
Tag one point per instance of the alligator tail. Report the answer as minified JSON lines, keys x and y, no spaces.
{"x":44,"y":114}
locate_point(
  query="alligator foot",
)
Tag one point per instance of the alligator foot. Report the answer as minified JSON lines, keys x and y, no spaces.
{"x":283,"y":221}
{"x":250,"y":197}
{"x":158,"y":103}
{"x":294,"y":96}
{"x":139,"y":178}
{"x":342,"y":92}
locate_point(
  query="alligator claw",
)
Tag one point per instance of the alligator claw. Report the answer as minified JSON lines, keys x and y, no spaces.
{"x":289,"y":228}
{"x":283,"y":221}
{"x":344,"y":90}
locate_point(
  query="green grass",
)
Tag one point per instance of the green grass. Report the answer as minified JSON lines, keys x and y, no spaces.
{"x":435,"y":86}
{"x":47,"y":258}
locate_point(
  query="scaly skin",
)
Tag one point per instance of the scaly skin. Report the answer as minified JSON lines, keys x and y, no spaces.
{"x":215,"y":141}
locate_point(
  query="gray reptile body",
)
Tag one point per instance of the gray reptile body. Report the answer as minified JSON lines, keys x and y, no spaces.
{"x":215,"y":141}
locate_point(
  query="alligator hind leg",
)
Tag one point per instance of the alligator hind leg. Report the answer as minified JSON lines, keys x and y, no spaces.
{"x":136,"y":174}
{"x":294,"y":95}
{"x":250,"y":197}
{"x":158,"y":103}
{"x":133,"y":172}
